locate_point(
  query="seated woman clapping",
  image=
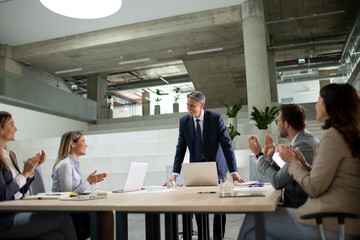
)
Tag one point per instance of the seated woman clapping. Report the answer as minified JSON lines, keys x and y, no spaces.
{"x":14,"y":184}
{"x":333,"y":180}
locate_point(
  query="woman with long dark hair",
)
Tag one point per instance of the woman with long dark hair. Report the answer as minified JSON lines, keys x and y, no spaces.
{"x":332,"y":182}
{"x":14,"y":184}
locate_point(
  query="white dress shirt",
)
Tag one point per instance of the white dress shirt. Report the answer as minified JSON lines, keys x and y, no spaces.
{"x":201,"y":123}
{"x":67,"y":177}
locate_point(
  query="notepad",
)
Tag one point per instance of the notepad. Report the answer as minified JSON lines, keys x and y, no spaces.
{"x":242,"y":195}
{"x":48,"y":196}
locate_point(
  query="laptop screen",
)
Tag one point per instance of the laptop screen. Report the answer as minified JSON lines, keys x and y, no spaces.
{"x":200,"y":174}
{"x":136,"y":176}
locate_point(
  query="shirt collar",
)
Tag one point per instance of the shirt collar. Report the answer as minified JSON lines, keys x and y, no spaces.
{"x":201,"y":118}
{"x":5,"y":152}
{"x":294,"y":139}
{"x":74,"y":160}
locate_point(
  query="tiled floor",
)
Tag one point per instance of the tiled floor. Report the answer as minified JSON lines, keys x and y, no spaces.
{"x":136,"y":223}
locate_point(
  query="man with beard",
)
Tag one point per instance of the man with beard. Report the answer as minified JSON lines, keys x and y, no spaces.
{"x":291,"y":123}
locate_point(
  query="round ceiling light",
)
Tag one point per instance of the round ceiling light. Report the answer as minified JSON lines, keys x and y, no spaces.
{"x":83,"y":9}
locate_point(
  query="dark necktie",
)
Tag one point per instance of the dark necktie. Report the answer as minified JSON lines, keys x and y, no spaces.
{"x":198,"y":142}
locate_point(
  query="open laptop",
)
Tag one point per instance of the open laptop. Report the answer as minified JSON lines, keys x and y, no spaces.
{"x":200,"y":174}
{"x":135,"y":178}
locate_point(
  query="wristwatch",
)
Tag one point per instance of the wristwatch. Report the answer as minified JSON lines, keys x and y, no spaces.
{"x":258,"y":155}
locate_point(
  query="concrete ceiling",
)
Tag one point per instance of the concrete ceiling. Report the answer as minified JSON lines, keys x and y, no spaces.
{"x":165,"y":32}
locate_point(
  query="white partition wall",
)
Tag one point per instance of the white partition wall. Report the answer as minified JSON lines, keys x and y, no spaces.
{"x":113,"y":153}
{"x":34,"y":125}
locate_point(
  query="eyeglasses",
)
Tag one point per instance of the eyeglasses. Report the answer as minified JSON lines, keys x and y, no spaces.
{"x":277,"y":121}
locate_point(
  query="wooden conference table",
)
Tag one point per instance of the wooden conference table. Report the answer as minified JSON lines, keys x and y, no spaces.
{"x":183,"y":200}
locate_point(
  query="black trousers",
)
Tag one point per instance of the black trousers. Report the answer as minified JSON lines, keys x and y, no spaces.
{"x":218,"y":225}
{"x":82,"y":225}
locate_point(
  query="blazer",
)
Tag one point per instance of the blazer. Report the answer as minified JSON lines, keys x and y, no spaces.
{"x":333,"y":184}
{"x":8,"y":188}
{"x":294,"y":195}
{"x":217,"y":145}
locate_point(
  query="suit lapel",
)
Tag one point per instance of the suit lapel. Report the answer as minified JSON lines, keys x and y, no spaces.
{"x":206,"y":125}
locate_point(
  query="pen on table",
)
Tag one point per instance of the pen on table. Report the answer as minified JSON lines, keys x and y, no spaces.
{"x":53,"y":194}
{"x":206,"y":192}
{"x":256,"y":185}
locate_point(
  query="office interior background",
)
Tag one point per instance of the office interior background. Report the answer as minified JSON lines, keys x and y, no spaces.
{"x":117,"y":78}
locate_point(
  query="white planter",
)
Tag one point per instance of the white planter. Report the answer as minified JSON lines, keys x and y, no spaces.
{"x":157,"y":109}
{"x":233,"y":121}
{"x":175,"y":107}
{"x":234,"y":144}
{"x":261,"y":136}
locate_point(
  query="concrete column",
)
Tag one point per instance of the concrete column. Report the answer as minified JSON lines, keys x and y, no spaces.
{"x":6,"y":62}
{"x":97,"y":88}
{"x":272,"y":76}
{"x":145,"y":103}
{"x":256,"y":61}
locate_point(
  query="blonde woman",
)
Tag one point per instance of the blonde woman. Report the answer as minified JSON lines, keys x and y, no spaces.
{"x":66,"y":172}
{"x":67,"y":176}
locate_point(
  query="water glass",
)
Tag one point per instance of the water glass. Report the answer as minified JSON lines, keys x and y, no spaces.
{"x":226,"y":187}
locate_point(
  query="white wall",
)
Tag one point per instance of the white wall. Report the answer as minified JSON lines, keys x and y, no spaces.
{"x":34,"y":125}
{"x":301,"y":92}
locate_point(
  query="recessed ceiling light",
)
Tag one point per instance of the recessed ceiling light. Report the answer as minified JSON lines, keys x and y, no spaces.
{"x":69,"y":70}
{"x":205,"y":51}
{"x":83,"y":9}
{"x":135,"y":61}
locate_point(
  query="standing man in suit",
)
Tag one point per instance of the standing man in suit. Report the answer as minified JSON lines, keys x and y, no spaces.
{"x":204,"y":133}
{"x":291,"y":122}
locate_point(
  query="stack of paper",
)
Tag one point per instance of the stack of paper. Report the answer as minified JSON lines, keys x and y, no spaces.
{"x":104,"y":193}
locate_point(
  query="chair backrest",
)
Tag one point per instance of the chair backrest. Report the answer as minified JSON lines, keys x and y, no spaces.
{"x":38,"y":185}
{"x":254,"y":174}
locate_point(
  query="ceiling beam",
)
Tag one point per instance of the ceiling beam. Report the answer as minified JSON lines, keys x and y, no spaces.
{"x":149,"y":83}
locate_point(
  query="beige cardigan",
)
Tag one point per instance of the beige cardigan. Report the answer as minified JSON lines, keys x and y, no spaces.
{"x":333,"y":184}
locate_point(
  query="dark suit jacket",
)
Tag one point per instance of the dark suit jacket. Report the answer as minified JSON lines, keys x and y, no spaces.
{"x":8,"y":188}
{"x":217,"y":145}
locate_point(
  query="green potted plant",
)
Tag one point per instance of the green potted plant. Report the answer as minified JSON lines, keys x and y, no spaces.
{"x":233,"y":133}
{"x":231,"y":113}
{"x":176,"y":99}
{"x":264,"y":118}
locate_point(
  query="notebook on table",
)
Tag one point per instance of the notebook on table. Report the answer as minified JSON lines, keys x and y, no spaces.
{"x":200,"y":174}
{"x":135,"y":178}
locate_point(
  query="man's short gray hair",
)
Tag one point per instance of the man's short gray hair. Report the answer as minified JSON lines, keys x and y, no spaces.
{"x":199,"y":96}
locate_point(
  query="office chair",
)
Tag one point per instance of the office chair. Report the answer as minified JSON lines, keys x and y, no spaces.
{"x":38,"y":185}
{"x":341,"y":220}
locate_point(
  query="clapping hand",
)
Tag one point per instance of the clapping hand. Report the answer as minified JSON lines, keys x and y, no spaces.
{"x":32,"y":163}
{"x":286,"y":153}
{"x":42,"y":158}
{"x":254,"y":145}
{"x":289,"y":155}
{"x":269,"y":148}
